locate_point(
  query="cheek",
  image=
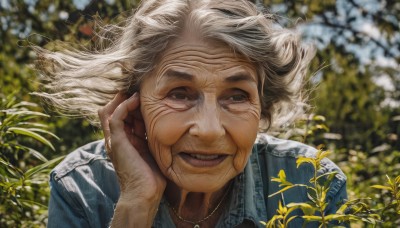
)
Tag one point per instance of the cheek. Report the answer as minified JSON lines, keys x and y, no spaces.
{"x":243,"y":130}
{"x":163,"y":124}
{"x":164,"y":127}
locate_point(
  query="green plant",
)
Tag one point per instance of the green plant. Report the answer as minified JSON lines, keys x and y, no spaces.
{"x":23,"y":170}
{"x":314,"y":210}
{"x":391,"y":209}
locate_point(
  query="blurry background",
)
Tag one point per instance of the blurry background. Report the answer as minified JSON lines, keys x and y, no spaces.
{"x":355,"y":84}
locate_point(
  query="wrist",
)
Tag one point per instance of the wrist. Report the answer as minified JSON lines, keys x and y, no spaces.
{"x":134,"y":214}
{"x":141,"y":200}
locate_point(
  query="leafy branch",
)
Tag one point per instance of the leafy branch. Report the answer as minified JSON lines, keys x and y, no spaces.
{"x":20,"y":182}
{"x":393,"y":187}
{"x":317,"y":190}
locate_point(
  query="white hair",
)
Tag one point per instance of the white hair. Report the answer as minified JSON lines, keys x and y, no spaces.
{"x":80,"y":82}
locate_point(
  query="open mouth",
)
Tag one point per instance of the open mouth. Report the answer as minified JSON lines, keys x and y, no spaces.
{"x":203,"y":160}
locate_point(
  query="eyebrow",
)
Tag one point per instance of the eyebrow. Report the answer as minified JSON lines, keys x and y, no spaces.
{"x":240,"y":77}
{"x":174,"y":74}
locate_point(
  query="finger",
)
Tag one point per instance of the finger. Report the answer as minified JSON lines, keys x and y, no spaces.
{"x":109,"y":108}
{"x":118,"y":122}
{"x":135,"y":121}
{"x":125,"y":146}
{"x":104,"y":115}
{"x":106,"y":112}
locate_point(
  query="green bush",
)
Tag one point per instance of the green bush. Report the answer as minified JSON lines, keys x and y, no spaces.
{"x":367,"y":173}
{"x":23,"y":170}
{"x":314,"y":210}
{"x":358,"y":210}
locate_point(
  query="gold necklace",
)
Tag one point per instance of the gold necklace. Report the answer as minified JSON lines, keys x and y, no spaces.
{"x":197,"y":223}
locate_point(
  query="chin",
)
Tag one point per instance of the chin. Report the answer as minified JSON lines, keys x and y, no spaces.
{"x":206,"y":184}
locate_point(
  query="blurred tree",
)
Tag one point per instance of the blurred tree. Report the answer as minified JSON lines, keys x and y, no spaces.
{"x":45,"y":23}
{"x":356,"y":66}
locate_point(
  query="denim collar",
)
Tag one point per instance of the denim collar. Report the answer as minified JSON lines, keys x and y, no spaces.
{"x":246,"y":204}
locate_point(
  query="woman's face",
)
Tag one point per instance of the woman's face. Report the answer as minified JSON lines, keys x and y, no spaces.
{"x":201,"y":109}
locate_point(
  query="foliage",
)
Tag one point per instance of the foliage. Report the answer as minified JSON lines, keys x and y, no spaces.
{"x":364,"y":175}
{"x":356,"y":66}
{"x":23,"y":170}
{"x":356,"y":116}
{"x":314,"y":210}
{"x":45,"y":23}
{"x":390,"y":212}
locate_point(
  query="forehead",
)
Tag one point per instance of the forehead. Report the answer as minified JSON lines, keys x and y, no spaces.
{"x":192,"y":54}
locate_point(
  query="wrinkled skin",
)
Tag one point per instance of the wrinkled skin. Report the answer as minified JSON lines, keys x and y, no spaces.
{"x":201,"y":112}
{"x":202,"y":99}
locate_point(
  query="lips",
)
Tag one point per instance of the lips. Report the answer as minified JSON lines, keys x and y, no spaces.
{"x":204,"y":157}
{"x":202,"y":160}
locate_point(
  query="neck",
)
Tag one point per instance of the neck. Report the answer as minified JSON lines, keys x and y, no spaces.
{"x":195,"y":206}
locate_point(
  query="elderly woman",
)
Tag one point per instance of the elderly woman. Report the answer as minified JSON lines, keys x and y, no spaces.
{"x":181,"y":93}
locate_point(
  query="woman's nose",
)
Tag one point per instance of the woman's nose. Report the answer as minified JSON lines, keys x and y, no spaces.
{"x":207,"y":124}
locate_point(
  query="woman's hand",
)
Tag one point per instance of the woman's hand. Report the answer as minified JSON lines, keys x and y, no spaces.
{"x":141,"y":182}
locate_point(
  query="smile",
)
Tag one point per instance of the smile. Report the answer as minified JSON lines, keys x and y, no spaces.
{"x":204,"y":157}
{"x":202,"y":160}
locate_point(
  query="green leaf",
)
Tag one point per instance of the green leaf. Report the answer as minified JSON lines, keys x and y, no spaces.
{"x":31,"y":124}
{"x":282,"y":190}
{"x":382,"y":187}
{"x":302,"y":160}
{"x":322,"y":127}
{"x":319,"y":118}
{"x":43,"y":131}
{"x":337,"y":217}
{"x":31,"y":172}
{"x":281,"y":179}
{"x":322,"y":197}
{"x":289,"y":220}
{"x":397,"y":179}
{"x":23,"y":131}
{"x":322,"y":154}
{"x":37,"y":155}
{"x":30,"y":203}
{"x":312,"y":217}
{"x":305,"y":207}
{"x":326,"y":182}
{"x":312,"y":194}
{"x":14,"y":171}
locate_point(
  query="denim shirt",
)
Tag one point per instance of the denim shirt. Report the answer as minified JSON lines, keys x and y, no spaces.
{"x":85,"y":189}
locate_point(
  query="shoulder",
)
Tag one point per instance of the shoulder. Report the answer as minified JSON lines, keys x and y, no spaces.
{"x":82,"y":156}
{"x":281,"y":154}
{"x":84,"y":187}
{"x":283,"y":147}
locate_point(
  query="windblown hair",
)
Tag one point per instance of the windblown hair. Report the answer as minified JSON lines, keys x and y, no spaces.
{"x":80,"y":82}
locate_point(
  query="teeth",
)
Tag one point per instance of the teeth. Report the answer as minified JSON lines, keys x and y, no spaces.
{"x":204,"y":157}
